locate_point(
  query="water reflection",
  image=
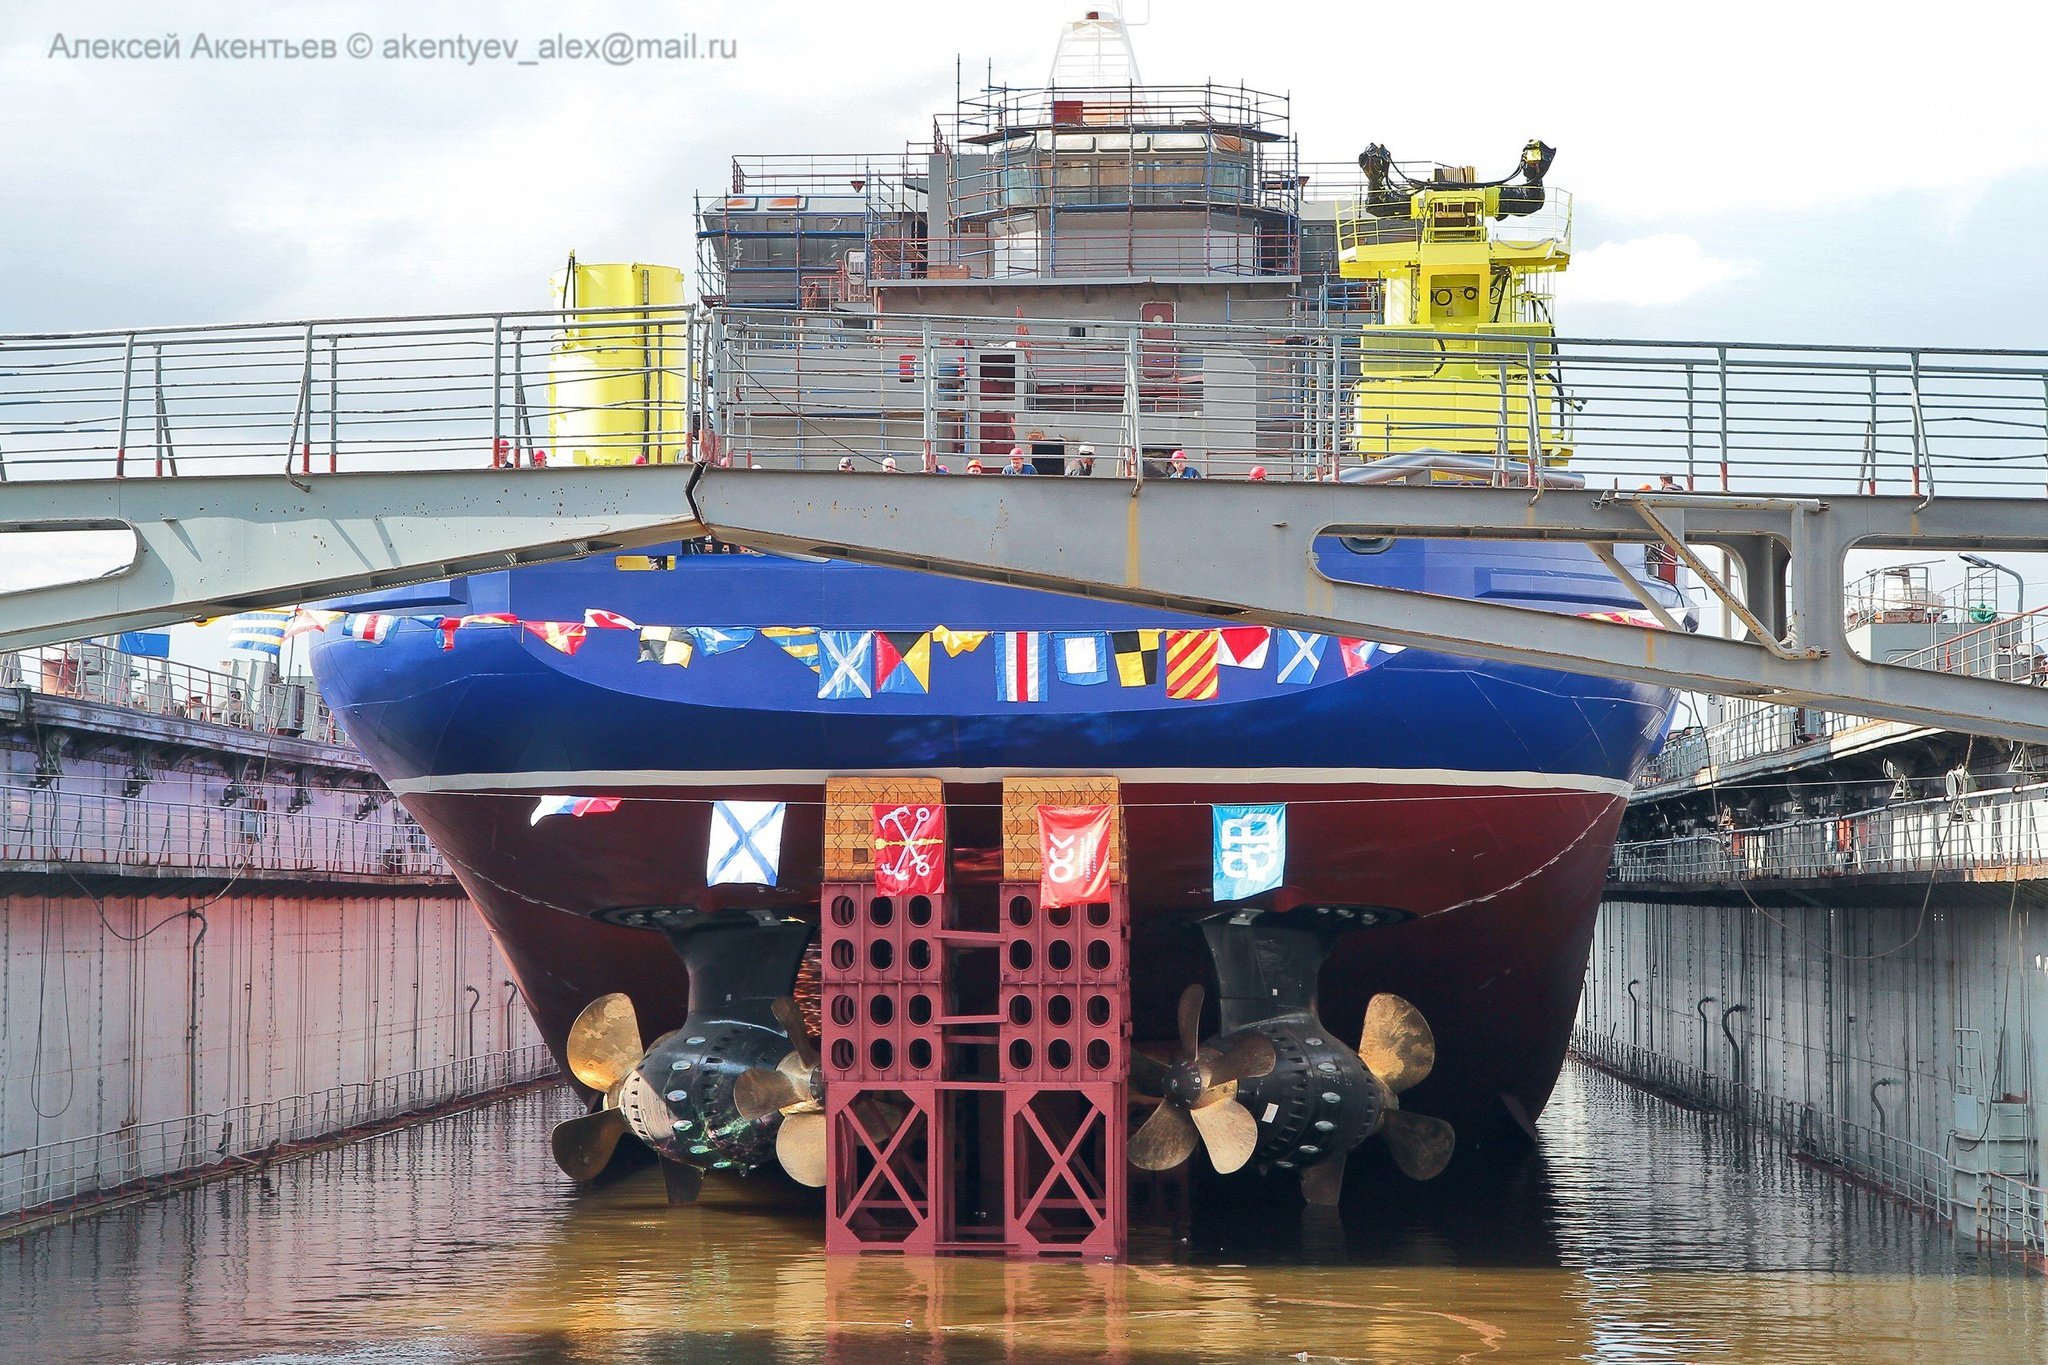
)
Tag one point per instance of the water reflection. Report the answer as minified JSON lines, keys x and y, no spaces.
{"x":1640,"y":1233}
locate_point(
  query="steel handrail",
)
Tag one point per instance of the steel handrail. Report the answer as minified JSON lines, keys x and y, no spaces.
{"x":97,"y":672}
{"x":2008,"y":625}
{"x":425,"y":391}
{"x":1932,"y":834}
{"x":72,"y":1168}
{"x":90,"y":830}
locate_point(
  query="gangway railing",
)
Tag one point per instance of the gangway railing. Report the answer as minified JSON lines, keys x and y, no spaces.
{"x":406,"y":449}
{"x":458,"y":391}
{"x":1916,"y":1174}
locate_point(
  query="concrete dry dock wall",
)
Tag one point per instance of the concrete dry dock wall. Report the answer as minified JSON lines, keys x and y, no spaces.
{"x":142,"y":1035}
{"x":1900,"y":1041}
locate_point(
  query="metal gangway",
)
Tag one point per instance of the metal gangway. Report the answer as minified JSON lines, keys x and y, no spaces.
{"x":263,"y":464}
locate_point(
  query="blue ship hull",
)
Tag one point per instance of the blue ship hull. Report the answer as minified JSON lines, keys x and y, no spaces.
{"x":1478,"y":799}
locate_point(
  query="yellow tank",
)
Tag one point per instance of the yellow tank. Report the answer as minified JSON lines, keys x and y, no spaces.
{"x":618,"y":381}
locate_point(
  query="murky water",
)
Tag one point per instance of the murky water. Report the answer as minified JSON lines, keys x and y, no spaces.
{"x":1642,"y":1233}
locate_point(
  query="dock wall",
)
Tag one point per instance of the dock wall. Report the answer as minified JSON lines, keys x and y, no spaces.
{"x":1899,"y":1041}
{"x":219,"y":933}
{"x":151,"y":1034}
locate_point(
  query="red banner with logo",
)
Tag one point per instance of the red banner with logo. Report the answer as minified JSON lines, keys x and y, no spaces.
{"x":910,"y":849}
{"x":1073,"y":852}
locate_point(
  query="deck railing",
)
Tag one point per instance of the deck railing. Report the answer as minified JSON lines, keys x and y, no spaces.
{"x":105,"y":831}
{"x":91,"y":671}
{"x":1985,"y":831}
{"x":1077,"y":253}
{"x":1755,"y":731}
{"x":2009,"y":649}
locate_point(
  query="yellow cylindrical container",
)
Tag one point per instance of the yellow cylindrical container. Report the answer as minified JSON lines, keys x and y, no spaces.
{"x":618,"y":380}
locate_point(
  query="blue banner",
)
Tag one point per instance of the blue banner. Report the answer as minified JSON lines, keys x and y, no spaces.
{"x":1251,"y":850}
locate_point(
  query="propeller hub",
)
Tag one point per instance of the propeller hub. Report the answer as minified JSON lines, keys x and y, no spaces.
{"x":1319,"y":1100}
{"x":679,"y":1099}
{"x":1184,"y":1083}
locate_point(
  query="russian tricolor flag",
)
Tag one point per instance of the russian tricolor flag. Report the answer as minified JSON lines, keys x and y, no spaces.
{"x":1022,"y":676}
{"x":572,"y":805}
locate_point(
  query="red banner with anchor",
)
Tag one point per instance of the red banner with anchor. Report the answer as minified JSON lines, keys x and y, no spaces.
{"x":1073,"y":851}
{"x":910,"y":849}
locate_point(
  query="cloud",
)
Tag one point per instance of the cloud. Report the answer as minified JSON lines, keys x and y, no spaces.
{"x":41,"y":559}
{"x":1647,"y":272}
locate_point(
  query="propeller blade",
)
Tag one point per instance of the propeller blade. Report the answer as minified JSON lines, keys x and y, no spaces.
{"x":762,"y":1091}
{"x":1191,"y":1022}
{"x":1420,"y":1145}
{"x":1148,"y":1075}
{"x":1323,"y":1183}
{"x":1215,"y":1094}
{"x":1229,"y":1132}
{"x":682,"y":1182}
{"x":604,"y":1042}
{"x":1249,"y":1057}
{"x":583,"y":1145}
{"x":802,"y":1075}
{"x":792,"y":1020}
{"x":1164,"y":1140}
{"x":800,"y":1147}
{"x":1396,"y":1044}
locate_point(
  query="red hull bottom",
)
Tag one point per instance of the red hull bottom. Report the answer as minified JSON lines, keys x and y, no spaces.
{"x":1501,"y":886}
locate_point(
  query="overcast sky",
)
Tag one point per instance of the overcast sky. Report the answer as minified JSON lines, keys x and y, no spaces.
{"x":1790,"y":170}
{"x":1785,"y":171}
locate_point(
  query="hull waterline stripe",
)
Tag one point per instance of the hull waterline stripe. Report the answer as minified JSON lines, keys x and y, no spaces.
{"x":609,"y":778}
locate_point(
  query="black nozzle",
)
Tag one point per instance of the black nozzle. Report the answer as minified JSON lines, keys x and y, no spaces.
{"x":1376,"y":161}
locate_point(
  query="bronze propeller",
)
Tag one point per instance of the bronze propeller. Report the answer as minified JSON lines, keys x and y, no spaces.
{"x":605,"y":1051}
{"x":1398,"y":1048}
{"x":1198,"y":1097}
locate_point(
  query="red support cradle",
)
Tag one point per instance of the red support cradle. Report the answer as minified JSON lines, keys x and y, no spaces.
{"x":964,"y":1124}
